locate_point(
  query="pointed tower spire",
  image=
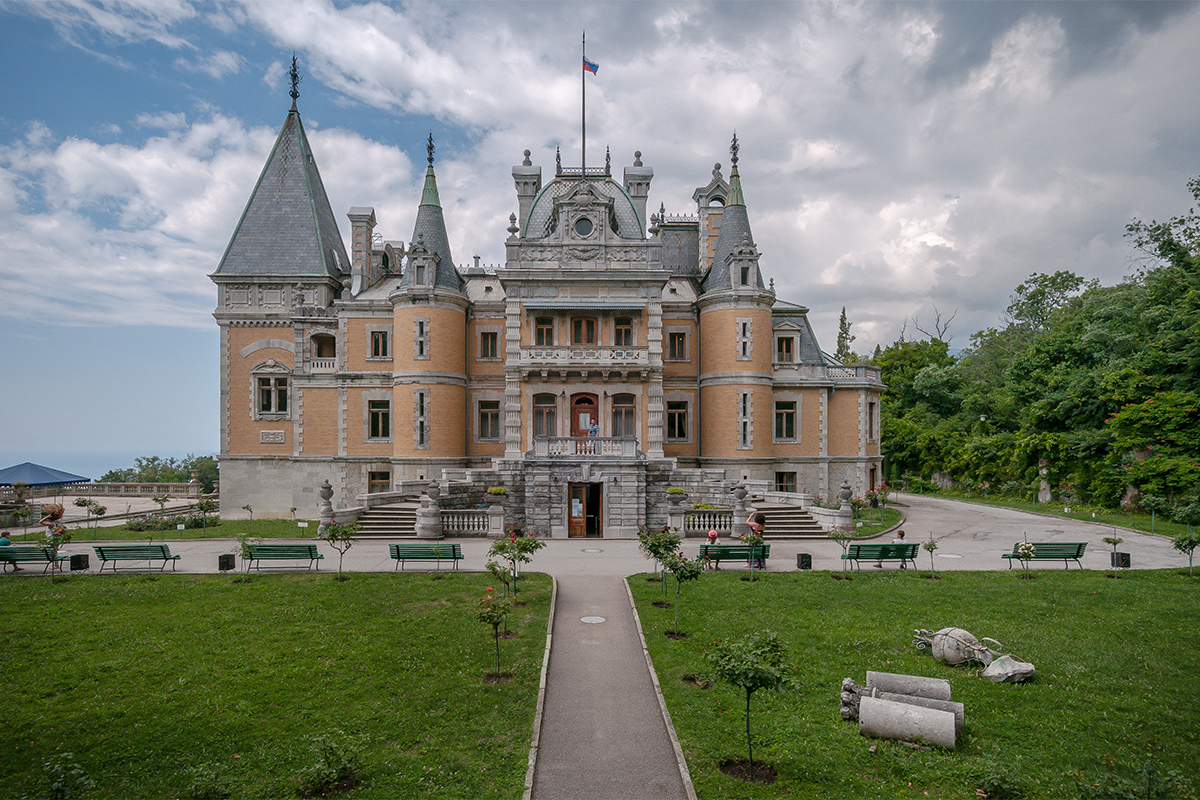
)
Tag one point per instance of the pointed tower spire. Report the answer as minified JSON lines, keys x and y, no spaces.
{"x":430,"y":231}
{"x":735,"y":241}
{"x":288,"y":227}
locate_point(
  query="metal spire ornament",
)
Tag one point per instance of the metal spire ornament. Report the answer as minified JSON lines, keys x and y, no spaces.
{"x":294,"y":74}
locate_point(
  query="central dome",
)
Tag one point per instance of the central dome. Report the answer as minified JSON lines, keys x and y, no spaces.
{"x":624,"y":219}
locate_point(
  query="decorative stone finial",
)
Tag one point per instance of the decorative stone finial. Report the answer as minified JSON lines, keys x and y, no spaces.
{"x":607,"y":161}
{"x":294,"y":75}
{"x":429,"y":148}
{"x":557,"y":160}
{"x":717,"y":172}
{"x":637,"y":158}
{"x":512,"y":222}
{"x":733,"y":151}
{"x":527,"y":162}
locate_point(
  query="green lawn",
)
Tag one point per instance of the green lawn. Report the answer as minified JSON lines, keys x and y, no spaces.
{"x":158,"y":685}
{"x":1116,"y":687}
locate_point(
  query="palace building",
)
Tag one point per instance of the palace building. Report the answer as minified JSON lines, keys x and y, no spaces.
{"x":611,"y":356}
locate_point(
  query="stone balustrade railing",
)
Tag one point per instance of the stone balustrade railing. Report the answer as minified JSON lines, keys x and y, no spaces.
{"x":464,"y":522}
{"x":585,"y":446}
{"x":8,"y":494}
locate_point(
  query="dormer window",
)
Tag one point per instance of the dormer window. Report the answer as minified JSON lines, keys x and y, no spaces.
{"x":583,"y":227}
{"x":419,"y":278}
{"x":745,"y":275}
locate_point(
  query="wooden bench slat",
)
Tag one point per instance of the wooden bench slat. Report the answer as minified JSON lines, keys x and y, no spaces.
{"x":451,"y":551}
{"x":1052,"y":551}
{"x":23,"y":554}
{"x":284,"y":552}
{"x":112,"y":553}
{"x":881,"y":552}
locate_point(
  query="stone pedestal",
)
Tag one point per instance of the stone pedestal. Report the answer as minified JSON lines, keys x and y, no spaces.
{"x":675,"y":515}
{"x":495,"y":516}
{"x":739,"y":526}
{"x":429,"y":514}
{"x":326,"y":495}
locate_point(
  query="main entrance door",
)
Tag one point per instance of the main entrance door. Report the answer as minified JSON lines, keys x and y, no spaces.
{"x":585,"y":514}
{"x":583,"y":413}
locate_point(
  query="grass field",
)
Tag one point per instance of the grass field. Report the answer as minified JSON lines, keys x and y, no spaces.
{"x":1115,"y":691}
{"x":175,"y":686}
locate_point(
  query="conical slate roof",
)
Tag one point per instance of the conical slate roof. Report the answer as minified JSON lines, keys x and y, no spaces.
{"x":288,"y":227}
{"x":430,"y":229}
{"x":734,"y":233}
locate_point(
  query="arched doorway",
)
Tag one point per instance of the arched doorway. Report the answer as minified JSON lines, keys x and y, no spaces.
{"x":584,"y":411}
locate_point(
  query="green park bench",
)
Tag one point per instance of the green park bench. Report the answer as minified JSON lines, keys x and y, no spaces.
{"x":425,"y":552}
{"x":20,"y":554}
{"x":1067,"y":551}
{"x":716,"y":553}
{"x":282,"y":552}
{"x":112,"y":553}
{"x":881,"y":552}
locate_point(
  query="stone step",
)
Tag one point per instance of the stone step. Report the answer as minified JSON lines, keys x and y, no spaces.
{"x":393,"y":522}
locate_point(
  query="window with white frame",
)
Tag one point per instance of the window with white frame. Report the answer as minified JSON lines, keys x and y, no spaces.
{"x":379,"y":342}
{"x":379,"y":413}
{"x":622,"y":332}
{"x":785,"y":349}
{"x":270,"y":391}
{"x":624,"y":416}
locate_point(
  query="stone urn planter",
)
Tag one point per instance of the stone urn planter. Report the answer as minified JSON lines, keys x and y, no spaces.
{"x":675,"y":498}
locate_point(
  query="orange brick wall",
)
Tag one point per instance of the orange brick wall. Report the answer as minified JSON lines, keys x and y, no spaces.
{"x":320,"y":421}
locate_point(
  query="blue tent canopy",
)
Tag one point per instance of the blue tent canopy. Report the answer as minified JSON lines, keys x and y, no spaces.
{"x":37,"y":475}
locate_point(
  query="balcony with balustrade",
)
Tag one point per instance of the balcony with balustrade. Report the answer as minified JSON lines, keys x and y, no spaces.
{"x":621,"y":362}
{"x":587,"y":447}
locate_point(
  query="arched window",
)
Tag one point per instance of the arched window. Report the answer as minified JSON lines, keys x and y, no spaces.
{"x":544,"y":422}
{"x":324,"y":346}
{"x":624,"y":416}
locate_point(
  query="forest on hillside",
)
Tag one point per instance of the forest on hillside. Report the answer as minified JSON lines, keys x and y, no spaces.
{"x":1097,"y":385}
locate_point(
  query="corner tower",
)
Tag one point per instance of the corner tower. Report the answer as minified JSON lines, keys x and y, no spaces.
{"x":429,"y":383}
{"x":735,"y":325}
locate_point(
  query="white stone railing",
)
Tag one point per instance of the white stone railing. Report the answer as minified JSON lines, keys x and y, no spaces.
{"x":699,"y":523}
{"x":585,"y":447}
{"x":107,"y":490}
{"x":591,"y":355}
{"x":322,"y":365}
{"x":464,"y":522}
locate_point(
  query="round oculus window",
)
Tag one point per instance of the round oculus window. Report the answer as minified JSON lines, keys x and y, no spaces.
{"x":583,"y":227}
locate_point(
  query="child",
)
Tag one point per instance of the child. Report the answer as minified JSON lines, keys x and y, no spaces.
{"x":712,"y":539}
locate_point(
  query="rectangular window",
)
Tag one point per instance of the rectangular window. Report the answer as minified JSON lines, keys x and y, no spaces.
{"x":745,"y":275}
{"x":743,"y":421}
{"x":677,"y":346}
{"x":871,"y":422}
{"x":677,"y":421}
{"x":489,"y":344}
{"x":380,"y":412}
{"x":544,"y":332}
{"x":489,"y":419}
{"x":783,"y":349}
{"x":543,"y":415}
{"x":583,"y":330}
{"x":379,"y":482}
{"x":421,"y":338}
{"x":421,"y":426}
{"x":624,"y":417}
{"x":785,"y":420}
{"x":379,"y":344}
{"x":743,"y":339}
{"x":785,"y":481}
{"x":272,"y":395}
{"x":623,"y":332}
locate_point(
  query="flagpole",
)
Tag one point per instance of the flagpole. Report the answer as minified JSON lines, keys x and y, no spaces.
{"x":583,"y":120}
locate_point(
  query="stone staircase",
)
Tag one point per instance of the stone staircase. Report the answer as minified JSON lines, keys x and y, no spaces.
{"x":789,"y":522}
{"x":394,"y":521}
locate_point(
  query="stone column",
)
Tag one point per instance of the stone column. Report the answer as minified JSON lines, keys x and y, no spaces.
{"x":739,"y":526}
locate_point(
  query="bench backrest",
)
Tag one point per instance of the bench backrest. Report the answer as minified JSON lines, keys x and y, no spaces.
{"x":719,"y":552}
{"x":882,"y":550}
{"x":284,"y":550}
{"x":147,"y":551}
{"x":1054,"y":549}
{"x":448,"y":550}
{"x":24,"y":553}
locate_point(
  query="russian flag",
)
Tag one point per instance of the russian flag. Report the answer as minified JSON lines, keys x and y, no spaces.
{"x":591,"y":66}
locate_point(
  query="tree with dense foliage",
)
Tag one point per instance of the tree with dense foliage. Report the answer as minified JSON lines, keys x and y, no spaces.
{"x":1098,"y":385}
{"x":843,"y":353}
{"x":153,"y":469}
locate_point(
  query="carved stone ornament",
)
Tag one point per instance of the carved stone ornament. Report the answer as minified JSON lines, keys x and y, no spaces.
{"x":955,"y":646}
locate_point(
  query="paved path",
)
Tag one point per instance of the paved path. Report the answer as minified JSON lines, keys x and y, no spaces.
{"x":603,"y":731}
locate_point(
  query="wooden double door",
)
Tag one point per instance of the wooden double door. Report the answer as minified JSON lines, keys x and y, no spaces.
{"x":585,"y":512}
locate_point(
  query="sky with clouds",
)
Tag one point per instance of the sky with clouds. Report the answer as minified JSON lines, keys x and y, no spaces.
{"x":901,"y":159}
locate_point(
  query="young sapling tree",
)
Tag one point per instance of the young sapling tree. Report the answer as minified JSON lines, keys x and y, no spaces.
{"x":341,"y":536}
{"x":684,"y":569}
{"x":493,"y":611}
{"x":1186,"y":542}
{"x":750,"y":664}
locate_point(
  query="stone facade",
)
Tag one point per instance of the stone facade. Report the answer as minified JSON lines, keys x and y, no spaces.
{"x":388,"y":364}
